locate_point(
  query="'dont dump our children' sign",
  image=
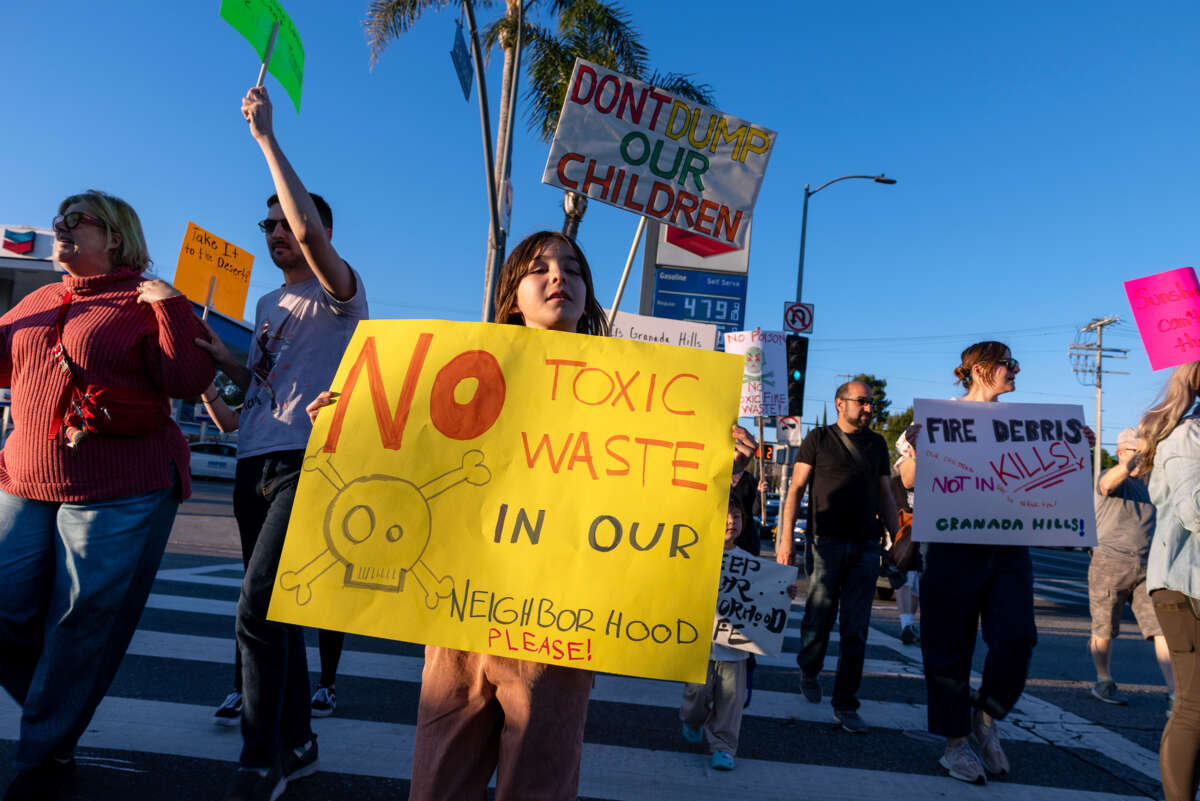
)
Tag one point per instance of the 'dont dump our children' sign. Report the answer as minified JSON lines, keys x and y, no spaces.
{"x":1002,"y":474}
{"x":552,"y":497}
{"x":628,"y":144}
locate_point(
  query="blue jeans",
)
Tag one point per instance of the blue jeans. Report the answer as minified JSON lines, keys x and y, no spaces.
{"x":275,"y":713}
{"x":74,"y":578}
{"x":843,"y":573}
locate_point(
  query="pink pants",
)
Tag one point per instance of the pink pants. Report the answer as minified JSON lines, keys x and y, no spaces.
{"x":481,"y":713}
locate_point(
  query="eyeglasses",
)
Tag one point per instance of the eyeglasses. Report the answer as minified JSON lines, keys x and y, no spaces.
{"x":1012,"y":364}
{"x":267,"y":226}
{"x":861,"y":401}
{"x":68,"y":222}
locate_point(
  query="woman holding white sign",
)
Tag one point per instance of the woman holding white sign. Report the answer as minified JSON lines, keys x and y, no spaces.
{"x":962,"y":586}
{"x":1171,"y":459}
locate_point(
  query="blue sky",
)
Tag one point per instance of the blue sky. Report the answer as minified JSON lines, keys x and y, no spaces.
{"x":1045,"y":153}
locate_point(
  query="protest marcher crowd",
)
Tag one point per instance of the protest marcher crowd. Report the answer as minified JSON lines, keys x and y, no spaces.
{"x":94,"y":360}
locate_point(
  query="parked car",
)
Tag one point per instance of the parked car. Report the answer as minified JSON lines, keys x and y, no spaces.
{"x":213,"y":460}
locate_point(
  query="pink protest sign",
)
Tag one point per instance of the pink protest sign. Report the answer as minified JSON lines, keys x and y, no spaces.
{"x":1166,"y":307}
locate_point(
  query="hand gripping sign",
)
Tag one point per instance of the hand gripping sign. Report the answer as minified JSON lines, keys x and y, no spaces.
{"x":552,"y":497}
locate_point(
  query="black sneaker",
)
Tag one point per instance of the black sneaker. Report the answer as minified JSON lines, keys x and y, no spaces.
{"x":256,"y":784}
{"x":909,"y":635}
{"x":302,"y":761}
{"x":850,"y":721}
{"x":811,"y":688}
{"x":324,"y":701}
{"x":229,"y":713}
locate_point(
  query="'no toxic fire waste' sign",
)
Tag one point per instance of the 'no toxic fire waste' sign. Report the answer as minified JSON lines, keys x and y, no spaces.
{"x":625,"y":143}
{"x":1002,"y":474}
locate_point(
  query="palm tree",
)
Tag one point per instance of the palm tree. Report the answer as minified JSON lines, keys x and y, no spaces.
{"x":604,"y":34}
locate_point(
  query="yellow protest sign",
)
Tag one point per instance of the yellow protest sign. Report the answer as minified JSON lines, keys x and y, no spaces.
{"x":205,"y":256}
{"x":552,"y":497}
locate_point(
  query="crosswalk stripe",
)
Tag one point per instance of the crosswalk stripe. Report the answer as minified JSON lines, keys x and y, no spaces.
{"x":619,"y":773}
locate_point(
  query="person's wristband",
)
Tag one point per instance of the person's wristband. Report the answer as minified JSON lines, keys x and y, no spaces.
{"x":211,"y":400}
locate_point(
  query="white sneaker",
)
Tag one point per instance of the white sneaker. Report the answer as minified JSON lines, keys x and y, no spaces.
{"x":963,"y":763}
{"x":324,"y":701}
{"x":229,"y":713}
{"x":987,"y":739}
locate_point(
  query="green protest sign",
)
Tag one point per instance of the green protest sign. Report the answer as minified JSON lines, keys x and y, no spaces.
{"x":254,"y":19}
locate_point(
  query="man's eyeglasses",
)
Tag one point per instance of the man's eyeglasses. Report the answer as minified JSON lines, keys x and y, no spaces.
{"x":1012,"y":364}
{"x":68,"y":222}
{"x":861,"y":401}
{"x":267,"y":226}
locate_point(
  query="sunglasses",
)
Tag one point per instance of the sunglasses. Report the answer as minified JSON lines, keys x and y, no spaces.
{"x":71,"y":221}
{"x":267,"y":226}
{"x":1011,"y":364}
{"x":861,"y":401}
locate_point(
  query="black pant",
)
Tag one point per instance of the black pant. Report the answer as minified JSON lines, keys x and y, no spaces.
{"x":962,"y":586}
{"x":276,"y":713}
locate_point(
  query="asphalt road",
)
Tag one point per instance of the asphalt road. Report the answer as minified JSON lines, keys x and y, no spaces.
{"x":153,"y":736}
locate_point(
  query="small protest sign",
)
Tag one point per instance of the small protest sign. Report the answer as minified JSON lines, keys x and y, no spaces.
{"x":553,"y":497}
{"x":1002,"y":474}
{"x":625,"y":143}
{"x":661,"y":331}
{"x":753,"y":604}
{"x":1166,"y":307}
{"x":764,"y":381}
{"x":205,"y":258}
{"x":255,"y":19}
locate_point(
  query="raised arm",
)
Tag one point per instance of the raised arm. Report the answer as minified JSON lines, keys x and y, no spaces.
{"x":298,"y":207}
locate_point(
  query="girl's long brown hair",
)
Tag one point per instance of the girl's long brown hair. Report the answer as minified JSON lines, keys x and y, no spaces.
{"x":1176,"y":399}
{"x":516,"y":266}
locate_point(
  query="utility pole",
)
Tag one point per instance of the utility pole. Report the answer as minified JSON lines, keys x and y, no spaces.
{"x":1082,"y":355}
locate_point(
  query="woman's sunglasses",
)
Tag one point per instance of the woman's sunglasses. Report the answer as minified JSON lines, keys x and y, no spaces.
{"x":71,"y":221}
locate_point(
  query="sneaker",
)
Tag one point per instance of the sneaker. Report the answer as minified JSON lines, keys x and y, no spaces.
{"x":811,"y":688}
{"x":693,"y":734}
{"x":722,"y":760}
{"x":1106,"y":691}
{"x":987,"y":739}
{"x":256,"y":784}
{"x":324,"y":701}
{"x":850,"y":721}
{"x":909,"y":635}
{"x":302,"y":761}
{"x":229,"y":713}
{"x":963,"y":763}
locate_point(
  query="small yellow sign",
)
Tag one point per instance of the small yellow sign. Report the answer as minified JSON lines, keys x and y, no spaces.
{"x":552,"y":497}
{"x":205,"y":257}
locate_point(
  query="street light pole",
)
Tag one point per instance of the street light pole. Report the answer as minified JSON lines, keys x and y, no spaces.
{"x":879,"y":179}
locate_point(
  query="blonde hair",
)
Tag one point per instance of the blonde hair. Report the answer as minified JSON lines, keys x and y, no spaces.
{"x":120,"y":217}
{"x":1177,"y":398}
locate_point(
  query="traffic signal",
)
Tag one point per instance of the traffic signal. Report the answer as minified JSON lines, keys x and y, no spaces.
{"x":797,"y":365}
{"x":766,"y":452}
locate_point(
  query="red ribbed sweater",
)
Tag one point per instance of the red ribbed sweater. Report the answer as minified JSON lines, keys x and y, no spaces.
{"x":113,"y":341}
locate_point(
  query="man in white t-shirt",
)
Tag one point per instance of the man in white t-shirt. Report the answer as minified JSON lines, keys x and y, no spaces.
{"x":300,"y":333}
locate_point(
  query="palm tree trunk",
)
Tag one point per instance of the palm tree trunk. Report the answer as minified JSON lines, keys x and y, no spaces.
{"x":574,"y":207}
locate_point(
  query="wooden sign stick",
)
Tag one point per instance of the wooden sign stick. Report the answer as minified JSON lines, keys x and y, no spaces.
{"x":212,"y":285}
{"x":262,"y":73}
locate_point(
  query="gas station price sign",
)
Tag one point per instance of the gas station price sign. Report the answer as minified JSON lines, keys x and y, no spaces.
{"x":706,"y":297}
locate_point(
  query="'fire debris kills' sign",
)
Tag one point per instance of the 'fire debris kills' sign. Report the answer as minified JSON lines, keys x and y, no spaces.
{"x":1002,"y":474}
{"x":625,"y":143}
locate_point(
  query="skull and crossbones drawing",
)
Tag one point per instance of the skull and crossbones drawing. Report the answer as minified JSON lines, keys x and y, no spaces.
{"x":378,"y":549}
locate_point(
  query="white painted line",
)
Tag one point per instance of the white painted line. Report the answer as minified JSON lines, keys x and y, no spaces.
{"x":369,"y":748}
{"x":199,"y":575}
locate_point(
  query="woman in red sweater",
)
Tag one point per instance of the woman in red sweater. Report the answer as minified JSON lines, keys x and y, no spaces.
{"x":90,"y":478}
